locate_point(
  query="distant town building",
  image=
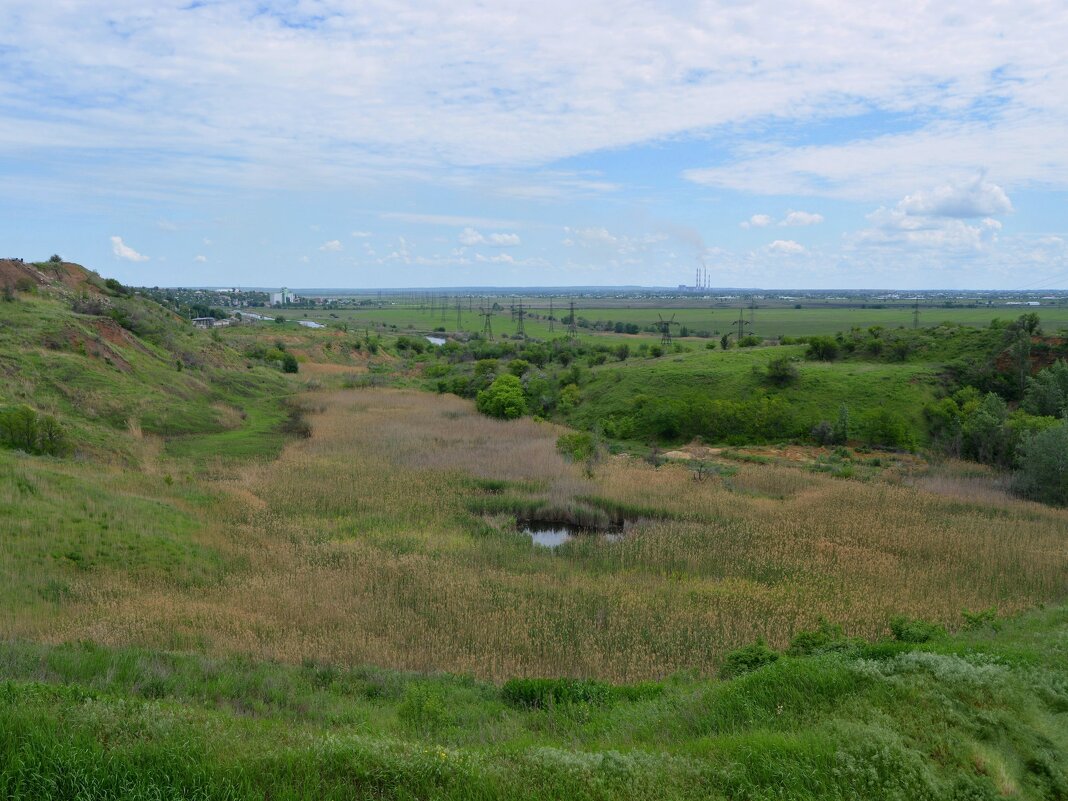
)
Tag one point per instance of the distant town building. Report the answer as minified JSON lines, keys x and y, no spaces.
{"x":283,"y":297}
{"x":204,"y":322}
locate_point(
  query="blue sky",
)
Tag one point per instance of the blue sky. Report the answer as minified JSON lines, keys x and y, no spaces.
{"x":336,"y":143}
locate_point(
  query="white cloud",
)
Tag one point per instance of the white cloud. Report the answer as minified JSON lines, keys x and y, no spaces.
{"x":200,"y":259}
{"x":361,"y":234}
{"x":801,"y":218}
{"x":124,"y":251}
{"x":470,"y":237}
{"x":207,"y":241}
{"x":592,"y":237}
{"x":504,"y":240}
{"x":166,"y":225}
{"x":977,"y":198}
{"x":937,"y":218}
{"x":448,"y":219}
{"x":514,"y":85}
{"x":333,"y":246}
{"x":788,"y":246}
{"x":757,"y":221}
{"x":500,"y":258}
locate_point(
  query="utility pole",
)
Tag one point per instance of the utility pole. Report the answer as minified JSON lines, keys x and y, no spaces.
{"x":520,"y":314}
{"x":916,"y":314}
{"x":572,"y":326}
{"x":552,"y":326}
{"x":459,"y":315}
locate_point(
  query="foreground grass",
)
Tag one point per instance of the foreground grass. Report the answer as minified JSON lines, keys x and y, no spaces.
{"x":975,"y":716}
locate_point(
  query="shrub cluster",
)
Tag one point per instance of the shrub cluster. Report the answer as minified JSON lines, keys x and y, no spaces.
{"x":546,"y":693}
{"x":24,"y":429}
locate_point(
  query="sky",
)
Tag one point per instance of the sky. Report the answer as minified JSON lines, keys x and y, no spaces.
{"x":373,"y":143}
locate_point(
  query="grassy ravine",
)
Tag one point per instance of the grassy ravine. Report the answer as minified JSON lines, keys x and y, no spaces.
{"x":979,"y":715}
{"x":187,"y":608}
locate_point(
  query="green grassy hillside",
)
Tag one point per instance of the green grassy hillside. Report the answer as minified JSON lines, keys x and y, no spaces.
{"x":660,"y":398}
{"x":104,"y":361}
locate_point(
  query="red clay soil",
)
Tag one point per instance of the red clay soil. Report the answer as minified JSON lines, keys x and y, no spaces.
{"x":71,"y":276}
{"x":1045,"y":351}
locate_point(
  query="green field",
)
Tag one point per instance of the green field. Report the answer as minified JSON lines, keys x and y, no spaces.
{"x":770,"y":322}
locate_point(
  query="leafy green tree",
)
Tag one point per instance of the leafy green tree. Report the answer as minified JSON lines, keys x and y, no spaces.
{"x":985,"y":433}
{"x":824,"y":349}
{"x":840,"y":429}
{"x":1043,"y":461}
{"x":23,"y":429}
{"x":570,"y":397}
{"x":1047,"y":392}
{"x":518,"y":366}
{"x":503,"y":398}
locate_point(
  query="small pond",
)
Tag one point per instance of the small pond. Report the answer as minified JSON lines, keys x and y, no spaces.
{"x":553,"y":535}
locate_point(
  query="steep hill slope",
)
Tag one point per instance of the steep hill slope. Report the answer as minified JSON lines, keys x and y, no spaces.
{"x":104,"y":360}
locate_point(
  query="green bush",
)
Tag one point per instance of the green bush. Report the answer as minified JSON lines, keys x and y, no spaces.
{"x":886,"y":429}
{"x":424,"y":710}
{"x":910,"y":630}
{"x":747,"y":659}
{"x":23,"y":429}
{"x":1043,"y":465}
{"x":578,"y":447}
{"x":781,"y":371}
{"x":289,"y":363}
{"x":825,"y":637}
{"x":518,"y":366}
{"x":546,"y":693}
{"x":503,"y":398}
{"x":1047,"y":392}
{"x":824,"y":349}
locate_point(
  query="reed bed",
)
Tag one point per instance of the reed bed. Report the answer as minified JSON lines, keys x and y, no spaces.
{"x":359,"y":546}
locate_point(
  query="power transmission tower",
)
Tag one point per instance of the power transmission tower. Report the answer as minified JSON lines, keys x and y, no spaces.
{"x":752,"y":316}
{"x":445,"y":307}
{"x":742,"y":322}
{"x":459,"y":315}
{"x":572,"y":326}
{"x":665,"y":328}
{"x":487,"y":327}
{"x":552,"y":321}
{"x":916,"y":315}
{"x":519,"y":315}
